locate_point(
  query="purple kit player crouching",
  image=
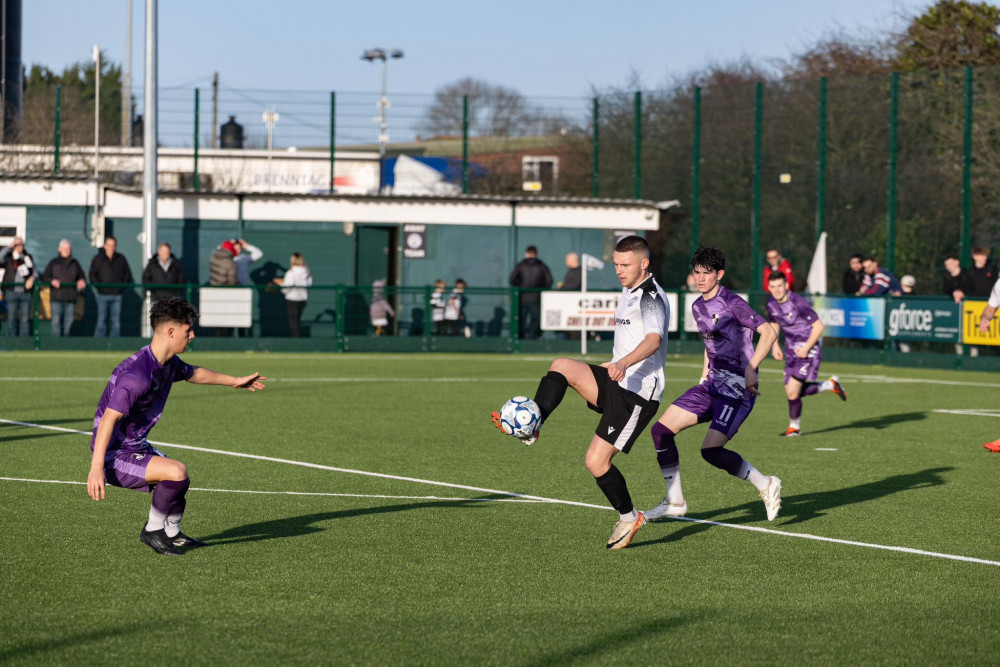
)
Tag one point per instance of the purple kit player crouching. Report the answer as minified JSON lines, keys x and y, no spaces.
{"x":727,"y":391}
{"x":803,"y":349}
{"x":131,"y":405}
{"x":626,"y":391}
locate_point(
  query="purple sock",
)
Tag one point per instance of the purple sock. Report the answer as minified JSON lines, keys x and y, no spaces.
{"x":810,"y":388}
{"x":795,"y":408}
{"x":168,"y":496}
{"x":723,"y":458}
{"x":666,"y":449}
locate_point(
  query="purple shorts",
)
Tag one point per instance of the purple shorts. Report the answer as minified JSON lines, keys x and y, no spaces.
{"x":726,"y":414}
{"x":127,"y":467}
{"x":803,"y":370}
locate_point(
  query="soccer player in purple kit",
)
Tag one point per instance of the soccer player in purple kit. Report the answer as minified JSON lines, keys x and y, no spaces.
{"x":131,"y":406}
{"x":803,"y":349}
{"x":727,"y":391}
{"x":626,"y":391}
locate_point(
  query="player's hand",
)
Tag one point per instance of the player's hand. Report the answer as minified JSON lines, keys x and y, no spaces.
{"x":616,"y":370}
{"x":753,"y":384}
{"x":802,"y":353}
{"x":984,"y":326}
{"x":95,"y":484}
{"x":250,"y":382}
{"x":778,"y":354}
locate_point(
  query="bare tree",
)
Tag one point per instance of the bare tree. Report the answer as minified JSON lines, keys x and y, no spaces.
{"x":494,"y":110}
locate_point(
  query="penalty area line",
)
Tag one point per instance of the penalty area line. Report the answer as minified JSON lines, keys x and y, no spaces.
{"x":539,"y":499}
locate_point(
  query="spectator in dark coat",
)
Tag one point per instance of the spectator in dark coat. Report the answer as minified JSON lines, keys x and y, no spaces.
{"x":572,"y":281}
{"x":164,"y":269}
{"x":19,"y":273}
{"x":853,"y":276}
{"x":66,"y":276}
{"x":983,"y":273}
{"x":222,"y":265}
{"x":109,"y":266}
{"x":530,"y":274}
{"x":957,"y":283}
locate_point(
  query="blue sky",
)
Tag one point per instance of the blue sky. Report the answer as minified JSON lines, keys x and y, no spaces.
{"x":541,"y":48}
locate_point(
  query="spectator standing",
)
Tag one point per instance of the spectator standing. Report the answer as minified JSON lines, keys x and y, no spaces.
{"x":222,"y":271}
{"x":67,"y":279}
{"x":294,"y":286}
{"x":19,"y":273}
{"x":573,"y":280}
{"x":853,"y":276}
{"x":909,"y":285}
{"x":164,"y":269}
{"x":454,"y":310}
{"x":109,"y":266}
{"x":983,"y":273}
{"x":775,"y":262}
{"x":878,"y":281}
{"x":381,"y":310}
{"x":245,"y":256}
{"x":437,"y":306}
{"x":531,"y":274}
{"x":957,"y":282}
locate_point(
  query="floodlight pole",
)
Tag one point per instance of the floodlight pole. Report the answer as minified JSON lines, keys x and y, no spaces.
{"x":270,"y":118}
{"x":150,"y":139}
{"x":371,"y":55}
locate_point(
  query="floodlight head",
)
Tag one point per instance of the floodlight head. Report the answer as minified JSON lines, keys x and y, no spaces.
{"x":396,"y":53}
{"x":373,"y":54}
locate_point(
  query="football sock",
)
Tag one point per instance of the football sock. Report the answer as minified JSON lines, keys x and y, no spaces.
{"x":168,"y":500}
{"x":612,"y":483}
{"x":795,"y":423}
{"x":550,"y":393}
{"x":172,"y":525}
{"x":795,"y":409}
{"x":669,"y":459}
{"x":156,"y":519}
{"x":735,"y":465}
{"x":810,"y":388}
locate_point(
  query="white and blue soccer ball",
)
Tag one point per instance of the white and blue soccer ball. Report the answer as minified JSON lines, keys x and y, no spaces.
{"x":520,"y":417}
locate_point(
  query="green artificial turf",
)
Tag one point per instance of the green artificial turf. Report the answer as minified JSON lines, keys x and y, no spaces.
{"x":406,"y":572}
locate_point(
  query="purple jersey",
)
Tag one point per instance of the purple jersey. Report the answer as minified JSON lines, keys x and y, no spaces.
{"x":138,"y":389}
{"x":726,"y":323}
{"x":795,"y":317}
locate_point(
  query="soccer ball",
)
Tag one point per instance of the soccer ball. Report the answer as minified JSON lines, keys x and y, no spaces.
{"x":520,"y":417}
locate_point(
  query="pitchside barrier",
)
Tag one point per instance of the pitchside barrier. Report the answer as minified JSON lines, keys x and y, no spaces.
{"x":920,"y":330}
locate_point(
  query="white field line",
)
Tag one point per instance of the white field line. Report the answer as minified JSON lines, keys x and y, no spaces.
{"x":401,"y":380}
{"x":522,"y":496}
{"x":984,"y":412}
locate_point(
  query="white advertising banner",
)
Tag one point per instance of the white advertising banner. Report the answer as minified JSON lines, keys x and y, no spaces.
{"x":225,"y":307}
{"x":565,"y":311}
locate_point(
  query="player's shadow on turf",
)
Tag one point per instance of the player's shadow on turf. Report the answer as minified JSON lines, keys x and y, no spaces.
{"x":808,"y":506}
{"x":612,"y":641}
{"x":33,"y":649}
{"x":310,"y":523}
{"x":883,"y":421}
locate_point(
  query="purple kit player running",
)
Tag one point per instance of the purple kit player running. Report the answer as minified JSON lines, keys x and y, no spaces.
{"x":626,"y":391}
{"x":803,"y":349}
{"x":727,"y":391}
{"x":131,"y":405}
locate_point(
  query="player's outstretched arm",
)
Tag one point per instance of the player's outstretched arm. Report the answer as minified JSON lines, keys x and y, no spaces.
{"x":105,"y":427}
{"x":649,"y":345}
{"x":206,"y":376}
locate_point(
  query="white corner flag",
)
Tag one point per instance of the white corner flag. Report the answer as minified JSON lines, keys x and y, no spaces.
{"x":587,"y":263}
{"x":816,"y":282}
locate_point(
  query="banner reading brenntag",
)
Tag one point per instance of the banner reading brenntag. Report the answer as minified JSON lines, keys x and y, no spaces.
{"x":917,"y":319}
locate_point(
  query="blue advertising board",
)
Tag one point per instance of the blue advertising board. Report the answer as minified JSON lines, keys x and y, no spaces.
{"x":846,"y":317}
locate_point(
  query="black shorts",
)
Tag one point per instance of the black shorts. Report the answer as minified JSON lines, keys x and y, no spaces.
{"x":624,"y":414}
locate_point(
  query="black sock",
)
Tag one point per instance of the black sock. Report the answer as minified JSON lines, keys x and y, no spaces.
{"x":612,"y":483}
{"x":550,"y":392}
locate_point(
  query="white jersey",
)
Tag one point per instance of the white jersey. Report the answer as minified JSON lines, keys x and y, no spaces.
{"x":995,"y":296}
{"x":642,"y":310}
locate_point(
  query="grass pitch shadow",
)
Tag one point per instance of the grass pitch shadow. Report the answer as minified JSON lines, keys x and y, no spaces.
{"x":307,"y":524}
{"x":807,"y":506}
{"x":877,"y":423}
{"x":34,"y":648}
{"x":614,"y":640}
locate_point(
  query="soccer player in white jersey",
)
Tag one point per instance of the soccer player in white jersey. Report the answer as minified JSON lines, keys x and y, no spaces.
{"x":727,"y":391}
{"x":984,"y":326}
{"x":626,"y":391}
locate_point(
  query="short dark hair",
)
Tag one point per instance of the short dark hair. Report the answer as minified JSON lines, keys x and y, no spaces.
{"x":531,"y":250}
{"x":858,"y":256}
{"x":776,"y":275}
{"x":172,"y":309}
{"x":952,"y":256}
{"x":709,"y":257}
{"x":980,"y":250}
{"x":635,"y":244}
{"x":868,"y":258}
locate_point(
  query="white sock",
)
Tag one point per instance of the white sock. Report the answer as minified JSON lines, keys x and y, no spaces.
{"x":156,"y":519}
{"x":173,"y":525}
{"x":826,"y":385}
{"x":753,"y":476}
{"x":795,"y":423}
{"x":631,"y":516}
{"x":672,"y":476}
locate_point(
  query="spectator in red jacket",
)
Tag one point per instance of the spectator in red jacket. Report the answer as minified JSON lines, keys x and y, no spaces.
{"x":775,"y":262}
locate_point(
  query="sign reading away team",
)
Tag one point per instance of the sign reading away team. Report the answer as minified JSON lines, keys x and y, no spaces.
{"x":916,"y":319}
{"x":851,"y":318}
{"x":971,"y":312}
{"x":415,"y":241}
{"x":568,"y":311}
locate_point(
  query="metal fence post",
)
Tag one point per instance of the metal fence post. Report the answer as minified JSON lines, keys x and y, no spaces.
{"x":595,"y":174}
{"x":465,"y":144}
{"x":341,"y":317}
{"x":58,"y":136}
{"x":35,"y":335}
{"x":637,"y":149}
{"x":890,"y":214}
{"x":515,"y":318}
{"x":696,"y":171}
{"x":333,"y":136}
{"x":197,"y":181}
{"x":428,"y":312}
{"x":967,"y":170}
{"x":821,"y":161}
{"x":758,"y":129}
